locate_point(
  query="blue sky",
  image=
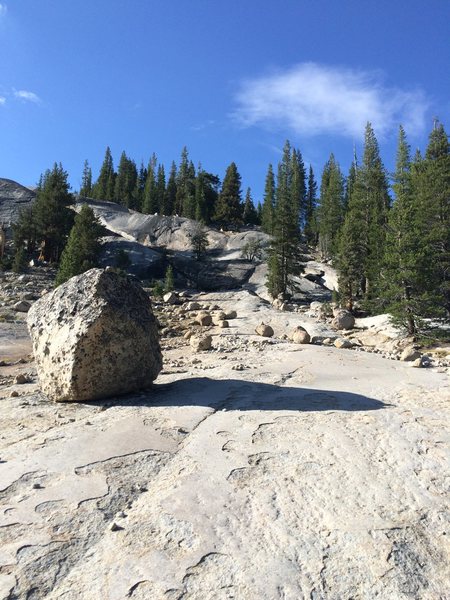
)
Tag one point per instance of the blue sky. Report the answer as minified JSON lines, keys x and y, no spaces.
{"x":230,"y":80}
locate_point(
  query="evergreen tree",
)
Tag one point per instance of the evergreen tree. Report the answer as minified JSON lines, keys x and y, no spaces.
{"x":25,"y":231}
{"x":229,"y":204}
{"x":403,"y":272}
{"x":138,"y":193}
{"x":249,"y":215}
{"x":169,"y":282}
{"x":104,"y":186}
{"x":170,"y":196}
{"x":330,"y":211}
{"x":185,"y":195}
{"x":199,"y":242}
{"x":361,"y":244}
{"x":150,"y":201}
{"x":259,"y":213}
{"x":200,"y":197}
{"x":19,"y":263}
{"x":268,"y":207}
{"x":210,"y":184}
{"x":298,"y":187}
{"x":310,"y":224}
{"x":125,"y":182}
{"x":86,"y":181}
{"x":51,"y":215}
{"x":371,"y":184}
{"x":431,"y":181}
{"x":82,"y":249}
{"x":284,"y":253}
{"x":160,"y":187}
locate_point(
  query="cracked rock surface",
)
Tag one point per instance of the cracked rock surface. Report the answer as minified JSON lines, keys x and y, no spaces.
{"x":259,"y":469}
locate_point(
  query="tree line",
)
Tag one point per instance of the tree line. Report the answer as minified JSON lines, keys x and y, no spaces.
{"x":391,"y":254}
{"x":186,"y":192}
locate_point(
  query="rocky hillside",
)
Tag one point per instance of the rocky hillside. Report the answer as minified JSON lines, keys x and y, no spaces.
{"x":13,"y":197}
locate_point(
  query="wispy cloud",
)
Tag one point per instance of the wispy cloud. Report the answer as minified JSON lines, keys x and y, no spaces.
{"x":2,"y":100}
{"x":27,"y":96}
{"x":3,"y":10}
{"x":313,"y":99}
{"x":202,"y":126}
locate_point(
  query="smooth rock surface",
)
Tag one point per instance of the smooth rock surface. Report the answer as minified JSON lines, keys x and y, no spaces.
{"x":261,"y":470}
{"x":94,"y":336}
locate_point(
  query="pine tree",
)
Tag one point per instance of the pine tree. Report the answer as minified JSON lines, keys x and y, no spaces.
{"x":86,"y":181}
{"x":268,"y":207}
{"x":125,"y":182}
{"x":373,"y":190}
{"x":150,"y":201}
{"x":284,"y":253}
{"x":25,"y":231}
{"x":104,"y":186}
{"x":185,"y":196}
{"x":249,"y":215}
{"x":82,"y":249}
{"x":199,"y":242}
{"x":170,"y":196}
{"x":432,"y":187}
{"x":139,"y":188}
{"x":310,"y":224}
{"x":361,"y":242}
{"x":169,"y":282}
{"x":51,"y":215}
{"x":298,"y":187}
{"x":160,"y":187}
{"x":330,"y":211}
{"x":402,"y":275}
{"x":200,"y":197}
{"x":229,"y":205}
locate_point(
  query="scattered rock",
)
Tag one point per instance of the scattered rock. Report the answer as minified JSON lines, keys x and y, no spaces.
{"x":343,"y":319}
{"x":418,"y":363}
{"x":95,"y":336}
{"x":22,"y":306}
{"x":21,"y":378}
{"x":300,"y":336}
{"x":115,"y":527}
{"x":342,"y":343}
{"x":14,"y":394}
{"x":264,"y":330}
{"x":223,"y":324}
{"x":218,"y":317}
{"x":232,"y":314}
{"x":410,"y":354}
{"x":170,"y":298}
{"x":201,"y":343}
{"x":203,"y":318}
{"x":193,"y":306}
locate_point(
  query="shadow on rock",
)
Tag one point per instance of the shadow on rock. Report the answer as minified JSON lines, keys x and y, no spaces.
{"x":235,"y":394}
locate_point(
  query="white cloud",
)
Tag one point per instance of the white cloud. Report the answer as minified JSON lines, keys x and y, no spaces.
{"x":3,"y":10}
{"x":2,"y":100}
{"x":27,"y":96}
{"x":313,"y":99}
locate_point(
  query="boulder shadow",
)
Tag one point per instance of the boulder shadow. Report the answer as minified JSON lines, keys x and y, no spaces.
{"x":242,"y":395}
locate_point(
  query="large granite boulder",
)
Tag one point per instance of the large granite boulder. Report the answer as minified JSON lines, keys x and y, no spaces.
{"x":95,"y":336}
